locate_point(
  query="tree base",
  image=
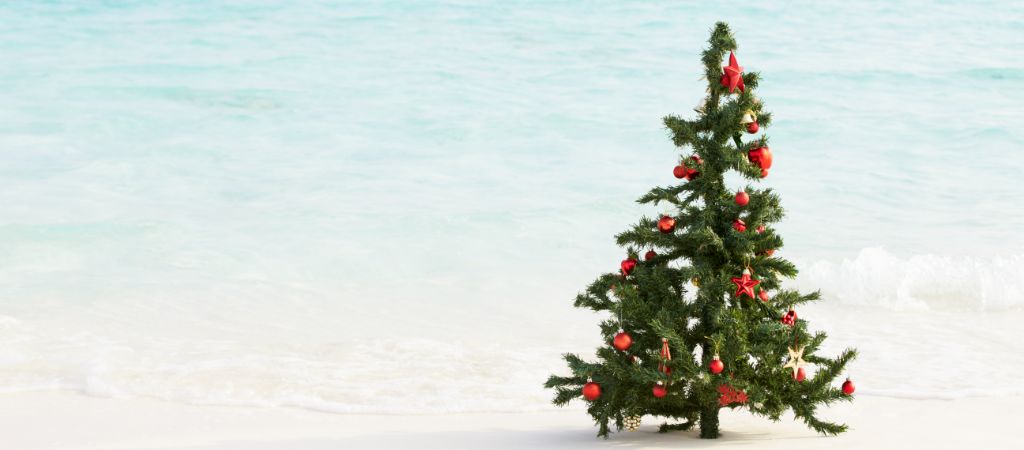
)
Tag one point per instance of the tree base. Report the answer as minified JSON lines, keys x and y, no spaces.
{"x":709,"y":423}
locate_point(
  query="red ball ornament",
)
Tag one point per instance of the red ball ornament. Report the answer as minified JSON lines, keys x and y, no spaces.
{"x":769,"y":252}
{"x":666,"y":224}
{"x":627,"y":266}
{"x":739,"y":225}
{"x":591,"y":390}
{"x":659,"y":390}
{"x":763,"y":295}
{"x":742,"y":198}
{"x":651,"y":254}
{"x":679,"y":171}
{"x":800,"y":374}
{"x":752,"y":127}
{"x":716,"y":366}
{"x":762,"y":157}
{"x":622,"y":340}
{"x":764,"y":173}
{"x":848,"y":387}
{"x":789,"y":318}
{"x":760,"y":229}
{"x":691,"y":173}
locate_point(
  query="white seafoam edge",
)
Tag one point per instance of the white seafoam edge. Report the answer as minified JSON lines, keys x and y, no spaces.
{"x":914,"y":342}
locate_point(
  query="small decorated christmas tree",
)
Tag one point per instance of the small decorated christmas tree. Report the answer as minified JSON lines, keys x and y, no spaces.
{"x":736,"y":343}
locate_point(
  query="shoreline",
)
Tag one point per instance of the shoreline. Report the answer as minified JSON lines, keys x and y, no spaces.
{"x":69,"y":421}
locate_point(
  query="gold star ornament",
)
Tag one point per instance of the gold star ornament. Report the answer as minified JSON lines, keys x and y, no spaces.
{"x":796,"y":359}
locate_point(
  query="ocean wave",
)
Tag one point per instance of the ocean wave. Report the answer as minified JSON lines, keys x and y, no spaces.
{"x":878,"y":278}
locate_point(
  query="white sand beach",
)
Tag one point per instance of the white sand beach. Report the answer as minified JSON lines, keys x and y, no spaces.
{"x":36,"y":421}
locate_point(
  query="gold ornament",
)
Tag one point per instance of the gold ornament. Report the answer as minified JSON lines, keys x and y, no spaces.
{"x":796,"y":360}
{"x":748,"y":117}
{"x":695,"y":281}
{"x":632,"y":423}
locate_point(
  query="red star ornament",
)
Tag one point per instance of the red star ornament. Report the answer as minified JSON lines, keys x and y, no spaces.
{"x":745,"y":284}
{"x":732,"y":76}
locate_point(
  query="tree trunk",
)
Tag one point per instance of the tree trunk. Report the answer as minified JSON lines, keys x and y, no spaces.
{"x":709,"y":422}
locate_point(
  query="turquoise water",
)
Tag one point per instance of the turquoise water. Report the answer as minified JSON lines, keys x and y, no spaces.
{"x":269,"y":203}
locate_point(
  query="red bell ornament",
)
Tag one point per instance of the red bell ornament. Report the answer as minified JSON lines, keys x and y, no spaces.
{"x":763,"y":295}
{"x":800,"y":374}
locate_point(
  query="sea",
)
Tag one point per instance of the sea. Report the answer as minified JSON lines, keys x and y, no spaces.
{"x":388,"y":207}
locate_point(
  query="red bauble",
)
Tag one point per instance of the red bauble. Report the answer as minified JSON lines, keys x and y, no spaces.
{"x":760,"y":229}
{"x":659,"y":390}
{"x":742,"y":198}
{"x":800,"y":374}
{"x":764,"y":173}
{"x":651,"y":254}
{"x":848,"y":387}
{"x":752,"y":127}
{"x":622,"y":340}
{"x":789,"y":318}
{"x":627,"y":266}
{"x":739,"y":225}
{"x":745,"y":284}
{"x":679,"y":171}
{"x":716,"y":366}
{"x":763,"y":295}
{"x":762,"y":157}
{"x":591,"y":391}
{"x":769,"y":252}
{"x":666,"y":224}
{"x":691,"y":173}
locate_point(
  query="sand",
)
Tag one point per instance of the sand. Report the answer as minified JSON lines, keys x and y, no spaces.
{"x":70,"y":421}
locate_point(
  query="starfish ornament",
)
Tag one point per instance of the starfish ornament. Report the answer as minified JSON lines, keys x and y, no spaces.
{"x":732,"y":76}
{"x":796,"y":360}
{"x":745,"y":284}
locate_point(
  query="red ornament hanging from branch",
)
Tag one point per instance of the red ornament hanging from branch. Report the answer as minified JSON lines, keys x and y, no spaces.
{"x":659,"y":390}
{"x":742,"y":198}
{"x":739,"y":225}
{"x":627,"y":266}
{"x":666,"y":224}
{"x":666,"y":356}
{"x":761,"y":157}
{"x":591,"y":390}
{"x":790,"y":318}
{"x":716,"y":366}
{"x":622,"y":340}
{"x":848,"y":387}
{"x":745,"y":284}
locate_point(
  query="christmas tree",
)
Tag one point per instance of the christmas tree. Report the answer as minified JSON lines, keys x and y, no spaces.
{"x":736,"y":343}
